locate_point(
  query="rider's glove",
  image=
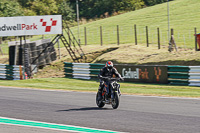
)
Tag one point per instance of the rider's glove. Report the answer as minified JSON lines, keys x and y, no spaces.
{"x":100,"y":77}
{"x":122,"y":79}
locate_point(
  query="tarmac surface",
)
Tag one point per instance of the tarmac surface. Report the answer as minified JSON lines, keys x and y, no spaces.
{"x":136,"y":114}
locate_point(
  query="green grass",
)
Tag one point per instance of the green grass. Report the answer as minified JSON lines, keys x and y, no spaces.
{"x":184,"y":17}
{"x":85,"y":85}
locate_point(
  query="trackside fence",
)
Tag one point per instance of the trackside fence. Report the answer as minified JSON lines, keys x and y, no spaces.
{"x":184,"y":75}
{"x":173,"y":75}
{"x":11,"y":72}
{"x":82,"y":70}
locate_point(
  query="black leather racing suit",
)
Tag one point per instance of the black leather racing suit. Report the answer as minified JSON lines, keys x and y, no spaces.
{"x":109,"y":73}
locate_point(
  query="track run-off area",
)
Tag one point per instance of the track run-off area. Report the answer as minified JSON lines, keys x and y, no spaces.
{"x":47,"y":111}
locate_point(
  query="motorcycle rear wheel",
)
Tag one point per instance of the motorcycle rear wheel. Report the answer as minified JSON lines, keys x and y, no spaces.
{"x":99,"y":102}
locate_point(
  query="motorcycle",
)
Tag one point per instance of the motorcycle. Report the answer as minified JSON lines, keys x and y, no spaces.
{"x":113,"y":96}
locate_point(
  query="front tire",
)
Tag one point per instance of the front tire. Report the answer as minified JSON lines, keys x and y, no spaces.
{"x":115,"y":102}
{"x":99,"y":102}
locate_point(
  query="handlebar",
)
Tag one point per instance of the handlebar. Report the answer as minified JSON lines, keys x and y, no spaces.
{"x":114,"y":79}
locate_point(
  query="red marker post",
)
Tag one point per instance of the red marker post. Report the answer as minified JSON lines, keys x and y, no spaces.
{"x":198,"y":40}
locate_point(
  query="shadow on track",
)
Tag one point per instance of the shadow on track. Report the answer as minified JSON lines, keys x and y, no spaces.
{"x":84,"y":109}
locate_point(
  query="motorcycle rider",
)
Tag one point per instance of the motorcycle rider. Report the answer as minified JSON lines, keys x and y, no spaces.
{"x":107,"y":72}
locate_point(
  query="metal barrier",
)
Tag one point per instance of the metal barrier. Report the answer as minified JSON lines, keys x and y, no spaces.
{"x":184,"y":75}
{"x":130,"y":73}
{"x":174,"y":75}
{"x":82,"y":70}
{"x":11,"y":72}
{"x":194,"y":76}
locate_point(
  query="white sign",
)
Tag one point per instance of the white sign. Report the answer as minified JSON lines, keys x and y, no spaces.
{"x":30,"y":25}
{"x":130,"y":74}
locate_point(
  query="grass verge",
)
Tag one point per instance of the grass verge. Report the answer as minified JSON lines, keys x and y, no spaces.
{"x":183,"y":18}
{"x":85,"y":85}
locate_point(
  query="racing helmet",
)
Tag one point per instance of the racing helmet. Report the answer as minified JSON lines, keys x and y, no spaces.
{"x":109,"y":65}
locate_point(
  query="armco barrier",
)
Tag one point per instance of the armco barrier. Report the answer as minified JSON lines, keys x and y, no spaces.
{"x":194,"y":76}
{"x":82,"y":70}
{"x":130,"y":73}
{"x":11,"y":72}
{"x":184,"y":75}
{"x":174,"y":75}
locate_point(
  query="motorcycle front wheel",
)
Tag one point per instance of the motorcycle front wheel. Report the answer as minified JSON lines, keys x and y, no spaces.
{"x":99,"y":102}
{"x":115,"y":102}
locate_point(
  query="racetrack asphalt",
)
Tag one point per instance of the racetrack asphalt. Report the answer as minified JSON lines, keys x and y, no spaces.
{"x":136,"y":114}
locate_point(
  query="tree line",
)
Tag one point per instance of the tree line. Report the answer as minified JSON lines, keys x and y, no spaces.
{"x":88,"y":9}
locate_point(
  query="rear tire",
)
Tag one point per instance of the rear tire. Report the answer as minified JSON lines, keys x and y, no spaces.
{"x":115,"y":102}
{"x":99,"y":102}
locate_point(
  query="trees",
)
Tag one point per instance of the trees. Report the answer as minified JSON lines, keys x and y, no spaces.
{"x":44,"y":7}
{"x":24,"y":3}
{"x":10,"y":8}
{"x":130,"y":5}
{"x":154,"y":2}
{"x":66,"y":11}
{"x":96,"y":8}
{"x":87,"y":8}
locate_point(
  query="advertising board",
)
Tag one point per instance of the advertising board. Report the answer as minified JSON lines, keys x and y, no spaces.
{"x":143,"y":73}
{"x":30,"y":25}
